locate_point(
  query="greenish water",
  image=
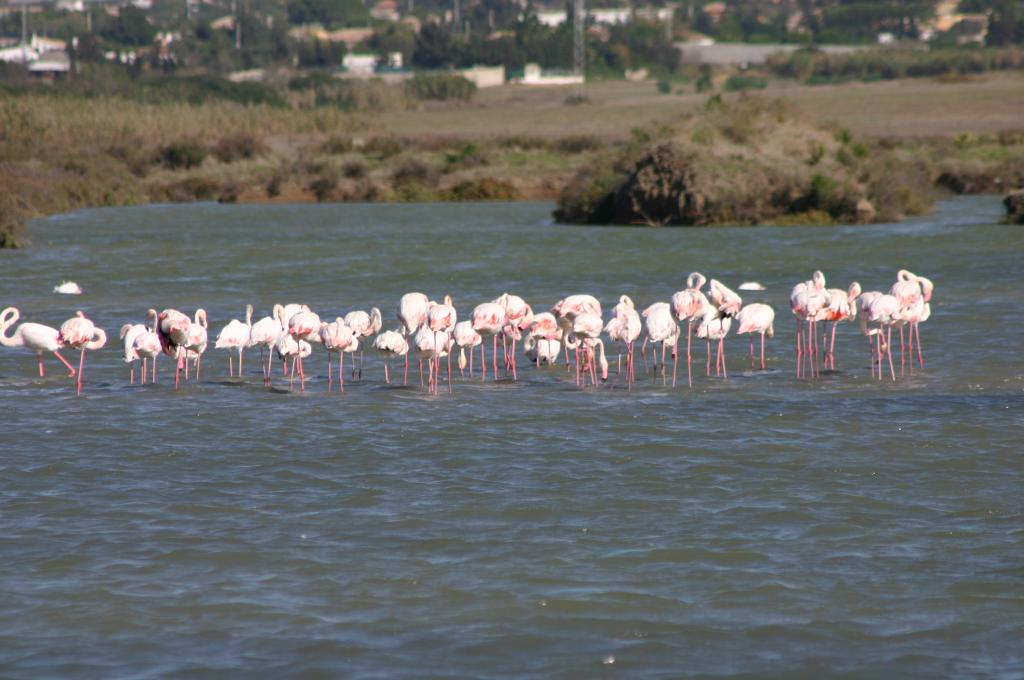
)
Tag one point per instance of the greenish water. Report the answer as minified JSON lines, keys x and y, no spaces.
{"x":762,"y":526}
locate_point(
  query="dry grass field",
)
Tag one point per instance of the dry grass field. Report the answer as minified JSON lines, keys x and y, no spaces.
{"x":909,"y":108}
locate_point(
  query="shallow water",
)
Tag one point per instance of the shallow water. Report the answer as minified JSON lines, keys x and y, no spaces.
{"x":761,"y":526}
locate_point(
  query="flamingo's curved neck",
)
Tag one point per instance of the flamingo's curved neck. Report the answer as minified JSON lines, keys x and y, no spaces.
{"x":8,"y":318}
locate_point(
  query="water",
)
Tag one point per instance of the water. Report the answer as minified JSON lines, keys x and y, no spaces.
{"x":761,"y":526}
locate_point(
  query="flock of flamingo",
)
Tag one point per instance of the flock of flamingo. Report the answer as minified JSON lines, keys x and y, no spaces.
{"x":574,"y":324}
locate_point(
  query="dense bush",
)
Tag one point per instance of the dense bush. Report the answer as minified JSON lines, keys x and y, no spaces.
{"x":238,"y":146}
{"x":483,"y":189}
{"x":182,"y":154}
{"x":740,"y":83}
{"x":440,"y":87}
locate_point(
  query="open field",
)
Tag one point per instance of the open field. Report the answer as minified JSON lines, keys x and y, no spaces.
{"x":904,"y":108}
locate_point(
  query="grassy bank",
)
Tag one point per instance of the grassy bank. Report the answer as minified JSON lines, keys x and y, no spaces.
{"x":59,"y":153}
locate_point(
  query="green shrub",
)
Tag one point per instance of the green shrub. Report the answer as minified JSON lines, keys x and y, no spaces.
{"x":742,"y":83}
{"x":184,"y":154}
{"x":440,"y":87}
{"x":575,"y":144}
{"x":336,"y":145}
{"x":467,"y":156}
{"x":664,"y":87}
{"x":384,"y":146}
{"x":483,"y":189}
{"x":323,"y":187}
{"x":354,"y":169}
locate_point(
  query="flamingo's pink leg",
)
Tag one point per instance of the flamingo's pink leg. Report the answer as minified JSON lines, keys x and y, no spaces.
{"x":920,"y":357}
{"x":81,"y":366}
{"x":42,"y":373}
{"x":762,"y":351}
{"x":903,"y":352}
{"x":494,"y":356}
{"x":341,"y":370}
{"x":387,"y":378}
{"x":483,"y":362}
{"x":888,"y":351}
{"x":721,"y":347}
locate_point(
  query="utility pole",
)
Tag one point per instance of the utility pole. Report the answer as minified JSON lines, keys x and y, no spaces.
{"x":24,"y":35}
{"x":238,"y":25}
{"x":578,"y":48}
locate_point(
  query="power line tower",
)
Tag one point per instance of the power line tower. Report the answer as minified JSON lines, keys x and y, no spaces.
{"x":579,"y":47}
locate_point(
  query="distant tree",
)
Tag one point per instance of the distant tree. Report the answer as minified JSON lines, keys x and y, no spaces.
{"x":328,"y":12}
{"x":130,"y":28}
{"x":433,"y":47}
{"x":1006,"y":23}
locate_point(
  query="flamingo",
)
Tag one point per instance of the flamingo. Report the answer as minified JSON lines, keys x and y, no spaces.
{"x":723,"y":298}
{"x":518,"y":316}
{"x":625,"y":327}
{"x":807,"y":301}
{"x":389,"y":344}
{"x":913,"y":292}
{"x":412,"y":313}
{"x":80,"y":333}
{"x":587,"y":328}
{"x":756,"y":318}
{"x":464,"y":337}
{"x":337,"y":336}
{"x":659,"y":326}
{"x":140,"y":342}
{"x":714,"y":325}
{"x":489,"y":320}
{"x":197,"y":340}
{"x":842,"y":306}
{"x":545,"y":330}
{"x":172,"y":327}
{"x":265,"y":333}
{"x":288,"y":347}
{"x":364,"y":325}
{"x":304,"y":325}
{"x":34,"y":336}
{"x":433,"y":346}
{"x":236,"y":335}
{"x":541,"y":350}
{"x":566,"y":309}
{"x":884,"y":310}
{"x":688,"y":305}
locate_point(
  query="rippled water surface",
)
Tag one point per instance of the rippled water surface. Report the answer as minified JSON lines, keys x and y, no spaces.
{"x":761,"y":526}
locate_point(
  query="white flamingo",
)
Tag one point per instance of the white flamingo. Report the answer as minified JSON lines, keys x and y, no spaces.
{"x":34,"y":336}
{"x":389,"y":344}
{"x":235,"y":336}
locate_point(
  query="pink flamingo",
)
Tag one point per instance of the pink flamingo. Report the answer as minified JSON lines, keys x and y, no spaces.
{"x":265,"y":333}
{"x":412,"y":313}
{"x":541,"y":350}
{"x":715,"y":325}
{"x":724,"y":298}
{"x":197,"y":340}
{"x":756,"y":318}
{"x":140,"y":342}
{"x":172,"y":327}
{"x":235,"y":336}
{"x":433,"y":346}
{"x":337,"y":336}
{"x":80,"y":333}
{"x":884,"y":310}
{"x":464,"y":337}
{"x":688,"y":305}
{"x":304,"y":325}
{"x":519,"y":317}
{"x":661,"y":327}
{"x":567,"y":309}
{"x":389,"y":344}
{"x":914,"y":293}
{"x":842,"y":306}
{"x":441,"y":318}
{"x":364,"y":325}
{"x":587,"y":328}
{"x":34,"y":336}
{"x":807,"y":301}
{"x":489,"y":320}
{"x":546,"y":332}
{"x":625,"y":327}
{"x":287,"y":347}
